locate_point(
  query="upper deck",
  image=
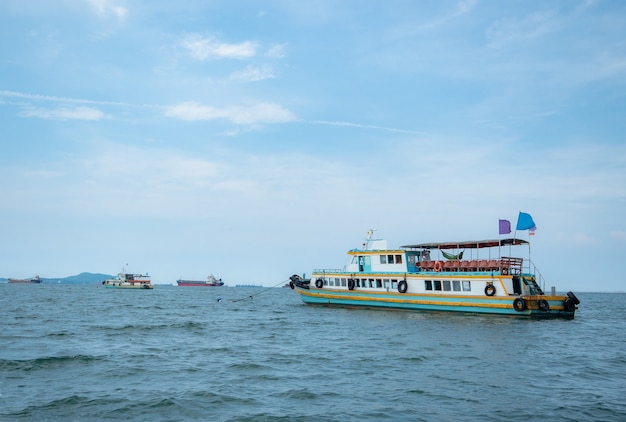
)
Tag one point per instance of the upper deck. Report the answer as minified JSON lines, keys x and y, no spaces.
{"x":425,"y":257}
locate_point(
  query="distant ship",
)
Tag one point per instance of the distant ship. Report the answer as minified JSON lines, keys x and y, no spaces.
{"x":128,"y":281}
{"x":32,"y":280}
{"x":209,"y":282}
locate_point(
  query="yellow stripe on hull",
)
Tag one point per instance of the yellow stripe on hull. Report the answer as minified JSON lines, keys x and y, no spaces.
{"x":458,"y":303}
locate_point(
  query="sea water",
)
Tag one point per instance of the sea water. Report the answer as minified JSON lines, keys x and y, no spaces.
{"x":83,"y":352}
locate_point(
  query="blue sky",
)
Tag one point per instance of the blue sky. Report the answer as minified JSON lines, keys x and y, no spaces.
{"x":254,"y":140}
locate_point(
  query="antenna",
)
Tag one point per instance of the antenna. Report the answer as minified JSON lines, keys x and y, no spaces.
{"x":368,"y":239}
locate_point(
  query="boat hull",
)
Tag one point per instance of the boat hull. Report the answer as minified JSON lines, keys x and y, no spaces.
{"x":24,"y":281}
{"x":443,"y":303}
{"x":34,"y":280}
{"x":198,"y":284}
{"x":136,"y":286}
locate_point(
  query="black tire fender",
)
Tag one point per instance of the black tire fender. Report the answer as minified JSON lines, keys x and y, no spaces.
{"x":402,"y":286}
{"x":519,"y":304}
{"x":573,"y":297}
{"x":543,"y":305}
{"x":569,"y":305}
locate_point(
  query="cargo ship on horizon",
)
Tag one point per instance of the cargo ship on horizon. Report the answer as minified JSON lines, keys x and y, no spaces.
{"x":32,"y":280}
{"x":211,"y":281}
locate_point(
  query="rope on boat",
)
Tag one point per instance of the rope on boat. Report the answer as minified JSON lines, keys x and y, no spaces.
{"x":262,"y":291}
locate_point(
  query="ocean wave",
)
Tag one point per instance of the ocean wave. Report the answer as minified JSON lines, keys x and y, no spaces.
{"x":48,"y":362}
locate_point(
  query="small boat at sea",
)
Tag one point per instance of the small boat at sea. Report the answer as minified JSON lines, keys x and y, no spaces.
{"x":413,"y":278}
{"x":32,"y":280}
{"x":128,"y":281}
{"x":211,"y":281}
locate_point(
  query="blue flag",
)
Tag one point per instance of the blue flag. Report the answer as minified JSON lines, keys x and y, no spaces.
{"x":525,"y":222}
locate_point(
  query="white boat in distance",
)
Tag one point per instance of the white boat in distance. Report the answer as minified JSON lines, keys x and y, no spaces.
{"x":128,"y":281}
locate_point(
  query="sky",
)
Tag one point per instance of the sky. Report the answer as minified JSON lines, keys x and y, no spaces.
{"x":253,"y":140}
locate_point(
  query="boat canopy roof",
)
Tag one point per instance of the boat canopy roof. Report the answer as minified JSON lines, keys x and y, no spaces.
{"x":469,"y":244}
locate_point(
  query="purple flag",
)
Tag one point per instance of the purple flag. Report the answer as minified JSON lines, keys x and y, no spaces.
{"x":505,"y":226}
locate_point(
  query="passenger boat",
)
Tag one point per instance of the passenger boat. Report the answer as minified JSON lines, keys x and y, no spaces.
{"x":211,"y":281}
{"x":32,"y":280}
{"x":128,"y":281}
{"x":438,"y":277}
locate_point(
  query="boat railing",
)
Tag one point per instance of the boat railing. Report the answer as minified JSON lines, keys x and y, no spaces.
{"x":504,"y":265}
{"x":512,"y":265}
{"x":327,"y":270}
{"x":532,"y":269}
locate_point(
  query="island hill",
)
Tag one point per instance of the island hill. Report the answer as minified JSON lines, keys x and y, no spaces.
{"x":82,"y":278}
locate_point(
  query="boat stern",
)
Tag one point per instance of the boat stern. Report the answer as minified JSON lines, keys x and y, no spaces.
{"x":547,"y":306}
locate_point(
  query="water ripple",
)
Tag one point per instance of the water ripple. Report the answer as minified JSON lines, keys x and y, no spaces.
{"x":179,"y":354}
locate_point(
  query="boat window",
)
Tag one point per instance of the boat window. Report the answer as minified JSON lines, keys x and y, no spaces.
{"x":379,"y":283}
{"x":456,"y":285}
{"x":446,"y":285}
{"x":386,"y":283}
{"x":343,"y":282}
{"x":390,"y":259}
{"x":383,"y":259}
{"x":428,"y":284}
{"x":467,"y":287}
{"x":394,"y":284}
{"x":437,"y":284}
{"x":398,"y":259}
{"x":372,"y":282}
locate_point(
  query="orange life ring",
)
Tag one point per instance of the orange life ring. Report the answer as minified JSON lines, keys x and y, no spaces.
{"x":438,"y":266}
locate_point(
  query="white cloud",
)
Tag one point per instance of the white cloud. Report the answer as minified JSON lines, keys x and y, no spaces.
{"x":618,"y":234}
{"x":506,"y":32}
{"x":190,"y":111}
{"x":54,"y":99}
{"x":76,"y":113}
{"x":276,"y":51}
{"x":362,"y":126}
{"x":258,"y":113}
{"x":203,"y":48}
{"x":252,"y":74}
{"x":109,"y":7}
